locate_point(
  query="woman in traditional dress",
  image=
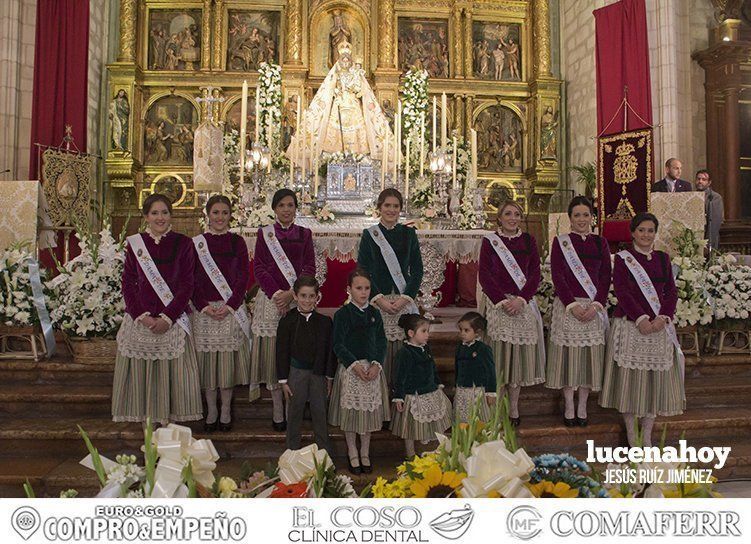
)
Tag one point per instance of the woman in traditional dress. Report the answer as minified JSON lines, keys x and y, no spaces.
{"x":389,"y":251}
{"x":221,"y":325}
{"x":644,"y":364}
{"x":283,"y":252}
{"x":509,"y":276}
{"x":156,"y":373}
{"x":580,"y":264}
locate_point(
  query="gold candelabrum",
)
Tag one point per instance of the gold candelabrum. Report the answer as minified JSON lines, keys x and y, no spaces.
{"x":492,"y":58}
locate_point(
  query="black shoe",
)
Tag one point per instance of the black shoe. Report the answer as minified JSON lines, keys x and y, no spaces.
{"x":353,"y":469}
{"x":386,"y":426}
{"x":582,"y":421}
{"x":366,"y":467}
{"x":279,"y":427}
{"x":225,"y":427}
{"x":570,"y":422}
{"x":516,"y":421}
{"x":209,"y":427}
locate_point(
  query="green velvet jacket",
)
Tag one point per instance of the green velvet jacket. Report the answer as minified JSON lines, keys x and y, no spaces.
{"x":404,"y":241}
{"x":416,"y":372}
{"x":474,"y":366}
{"x":359,"y":335}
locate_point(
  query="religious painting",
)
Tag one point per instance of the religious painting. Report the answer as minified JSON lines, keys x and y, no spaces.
{"x":174,"y":39}
{"x":252,"y":38}
{"x":289,"y":120}
{"x":499,"y":140}
{"x":424,"y":44}
{"x":119,"y":116}
{"x":500,"y":191}
{"x":329,"y":30}
{"x":174,"y":186}
{"x":496,"y":51}
{"x":232,"y":120}
{"x":168,"y":132}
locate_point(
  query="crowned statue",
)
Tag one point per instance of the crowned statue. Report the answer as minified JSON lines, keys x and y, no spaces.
{"x":344,"y":116}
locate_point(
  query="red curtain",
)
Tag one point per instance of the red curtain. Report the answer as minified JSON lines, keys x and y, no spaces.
{"x":622,"y":56}
{"x":61,"y":59}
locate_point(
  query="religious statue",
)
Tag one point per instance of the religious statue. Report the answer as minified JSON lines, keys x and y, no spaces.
{"x":119,"y":115}
{"x":548,"y":133}
{"x":344,"y":115}
{"x":339,"y":33}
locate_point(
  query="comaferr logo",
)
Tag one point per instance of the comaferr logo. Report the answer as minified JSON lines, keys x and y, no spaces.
{"x":524,"y":522}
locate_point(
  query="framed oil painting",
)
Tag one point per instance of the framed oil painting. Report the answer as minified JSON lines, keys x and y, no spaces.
{"x":499,"y":140}
{"x":496,"y":51}
{"x":168,"y":132}
{"x":424,"y":44}
{"x":252,"y":38}
{"x":174,"y":39}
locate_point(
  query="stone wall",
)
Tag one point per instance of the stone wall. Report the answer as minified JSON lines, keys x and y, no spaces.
{"x":17,"y":27}
{"x":98,"y":28}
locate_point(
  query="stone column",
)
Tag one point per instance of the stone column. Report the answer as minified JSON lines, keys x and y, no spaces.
{"x":216,"y":62}
{"x":128,"y":18}
{"x":731,"y":155}
{"x":541,"y":38}
{"x":293,"y":54}
{"x":457,"y":63}
{"x":386,"y":57}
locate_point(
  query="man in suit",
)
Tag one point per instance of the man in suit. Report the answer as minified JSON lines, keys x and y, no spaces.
{"x":713,"y":208}
{"x":672,"y":182}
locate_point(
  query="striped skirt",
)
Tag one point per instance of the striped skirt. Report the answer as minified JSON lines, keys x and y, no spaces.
{"x":161,"y":389}
{"x":464,"y":402}
{"x":404,"y":425}
{"x":574,"y":366}
{"x":518,"y":364}
{"x":389,"y":364}
{"x":358,"y":421}
{"x":641,"y":392}
{"x":263,"y":361}
{"x":224,"y":369}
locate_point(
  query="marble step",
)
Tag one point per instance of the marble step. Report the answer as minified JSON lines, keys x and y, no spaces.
{"x":52,"y":400}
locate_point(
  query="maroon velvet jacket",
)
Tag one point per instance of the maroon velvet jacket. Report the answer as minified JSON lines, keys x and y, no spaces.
{"x":175,"y":258}
{"x":595,"y":256}
{"x":496,"y":282}
{"x":297,"y":243}
{"x":231,"y":256}
{"x":631,"y":302}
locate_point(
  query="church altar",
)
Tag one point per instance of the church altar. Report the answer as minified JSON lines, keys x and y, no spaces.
{"x":335,"y":247}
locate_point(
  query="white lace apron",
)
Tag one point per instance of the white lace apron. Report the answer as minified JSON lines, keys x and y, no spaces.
{"x":357,"y":394}
{"x":520,"y":329}
{"x":428,"y":407}
{"x":465,"y":399}
{"x":566,"y":330}
{"x":265,"y":316}
{"x":136,"y":341}
{"x":391,"y":322}
{"x":211,"y":335}
{"x":632,"y":349}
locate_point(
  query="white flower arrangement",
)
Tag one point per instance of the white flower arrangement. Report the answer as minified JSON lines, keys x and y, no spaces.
{"x":88,"y":290}
{"x":545,"y":293}
{"x":323,"y":214}
{"x":414,"y":109}
{"x":258,"y":216}
{"x":729,"y":288}
{"x":339,"y":157}
{"x":16,"y":306}
{"x":270,"y":105}
{"x":470,"y":217}
{"x":690,"y":280}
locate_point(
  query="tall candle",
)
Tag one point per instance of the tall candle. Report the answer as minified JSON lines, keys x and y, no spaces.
{"x":455,"y":185}
{"x":444,"y":128}
{"x":435,"y":115}
{"x":243,"y":129}
{"x":406,"y":173}
{"x":399,"y":134}
{"x":422,"y":144}
{"x":315,"y":168}
{"x":473,"y":144}
{"x":303,"y":149}
{"x":258,"y":116}
{"x":385,"y":161}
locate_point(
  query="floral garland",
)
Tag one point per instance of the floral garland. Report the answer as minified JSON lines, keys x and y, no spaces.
{"x":414,"y":109}
{"x":88,"y":289}
{"x":270,"y":104}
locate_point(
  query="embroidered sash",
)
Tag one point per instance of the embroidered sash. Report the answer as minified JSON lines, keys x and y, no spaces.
{"x":516,"y":273}
{"x":280,"y":257}
{"x":650,"y":293}
{"x":581,"y":275}
{"x":155,"y":278}
{"x":392,"y":263}
{"x":219,"y":281}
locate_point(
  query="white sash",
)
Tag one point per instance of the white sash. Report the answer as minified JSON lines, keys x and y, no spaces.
{"x":280,"y":257}
{"x":155,"y":277}
{"x":516,"y":273}
{"x":219,"y":281}
{"x":580,"y":273}
{"x":649,"y":292}
{"x":392,"y":263}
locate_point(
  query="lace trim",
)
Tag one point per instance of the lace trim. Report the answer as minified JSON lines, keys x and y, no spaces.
{"x":428,"y":407}
{"x":520,"y":329}
{"x":265,"y":316}
{"x":211,"y":335}
{"x":391,"y":322}
{"x":566,"y":330}
{"x":464,"y":400}
{"x":138,"y":342}
{"x":631,"y":349}
{"x":357,"y":394}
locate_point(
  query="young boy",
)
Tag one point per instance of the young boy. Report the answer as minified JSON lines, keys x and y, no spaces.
{"x":305,"y":363}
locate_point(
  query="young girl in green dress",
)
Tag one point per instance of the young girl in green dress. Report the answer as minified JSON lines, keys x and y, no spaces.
{"x":422,"y":408}
{"x":474,"y":369}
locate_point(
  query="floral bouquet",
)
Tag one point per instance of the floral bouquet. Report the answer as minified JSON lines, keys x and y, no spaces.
{"x":729,"y":288}
{"x":16,"y":297}
{"x":88,"y":287}
{"x":563,"y":476}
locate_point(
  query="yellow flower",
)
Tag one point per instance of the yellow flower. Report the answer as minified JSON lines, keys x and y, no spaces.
{"x":437,"y":484}
{"x":419,"y":464}
{"x":616,"y":494}
{"x":226,"y":487}
{"x":548,"y":490}
{"x":382,"y":489}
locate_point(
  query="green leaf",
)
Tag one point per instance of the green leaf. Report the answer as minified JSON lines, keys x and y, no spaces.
{"x":95,"y":458}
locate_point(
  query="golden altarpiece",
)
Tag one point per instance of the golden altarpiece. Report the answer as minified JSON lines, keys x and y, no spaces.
{"x":491,"y":57}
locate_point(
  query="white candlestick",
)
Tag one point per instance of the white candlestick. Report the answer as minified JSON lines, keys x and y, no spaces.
{"x":258,"y":116}
{"x":422,"y":144}
{"x":243,"y":128}
{"x":315,"y":168}
{"x":406,"y":173}
{"x":435,"y":115}
{"x":473,"y":143}
{"x":399,"y":135}
{"x":455,"y":185}
{"x":444,"y":128}
{"x":303,"y":150}
{"x":385,"y":161}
